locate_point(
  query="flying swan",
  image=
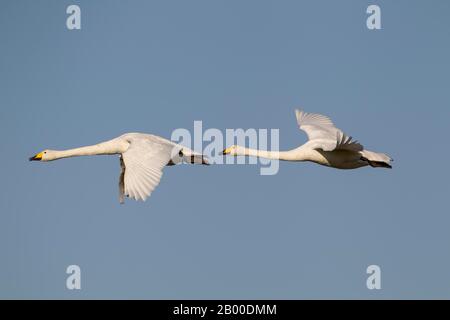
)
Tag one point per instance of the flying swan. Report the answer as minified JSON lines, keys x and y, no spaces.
{"x":142,"y":159}
{"x":327,"y":145}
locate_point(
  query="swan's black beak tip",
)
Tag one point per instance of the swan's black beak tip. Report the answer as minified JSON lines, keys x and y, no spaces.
{"x":37,"y":157}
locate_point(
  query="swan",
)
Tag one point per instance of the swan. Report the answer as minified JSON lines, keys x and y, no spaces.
{"x":327,"y":145}
{"x":142,"y":159}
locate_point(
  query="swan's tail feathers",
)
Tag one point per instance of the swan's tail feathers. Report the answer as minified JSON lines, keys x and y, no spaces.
{"x":376,"y":160}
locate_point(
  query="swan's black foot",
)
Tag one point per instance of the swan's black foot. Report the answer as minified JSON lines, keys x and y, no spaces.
{"x":377,"y":164}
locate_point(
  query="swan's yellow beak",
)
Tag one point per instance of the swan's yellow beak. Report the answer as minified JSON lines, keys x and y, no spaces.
{"x":37,"y":157}
{"x":226,"y":151}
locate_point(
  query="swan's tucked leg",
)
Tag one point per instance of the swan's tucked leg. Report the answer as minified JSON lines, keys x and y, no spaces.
{"x":121,"y":182}
{"x":197,"y":159}
{"x":377,"y":164}
{"x":190,"y":156}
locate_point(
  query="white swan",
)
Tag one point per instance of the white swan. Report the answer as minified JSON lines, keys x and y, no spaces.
{"x":327,"y":146}
{"x":143,"y":157}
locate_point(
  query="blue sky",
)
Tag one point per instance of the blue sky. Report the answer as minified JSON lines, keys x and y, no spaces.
{"x":224,"y":231}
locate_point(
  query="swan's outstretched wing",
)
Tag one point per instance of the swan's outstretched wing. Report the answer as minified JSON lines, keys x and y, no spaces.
{"x":142,"y":166}
{"x":322,"y":133}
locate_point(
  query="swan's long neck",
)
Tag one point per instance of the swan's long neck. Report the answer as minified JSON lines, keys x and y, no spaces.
{"x":292,"y":155}
{"x":104,"y":148}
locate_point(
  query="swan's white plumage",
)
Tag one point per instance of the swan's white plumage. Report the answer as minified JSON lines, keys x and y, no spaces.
{"x":327,"y":145}
{"x":142,"y":159}
{"x":323,"y":134}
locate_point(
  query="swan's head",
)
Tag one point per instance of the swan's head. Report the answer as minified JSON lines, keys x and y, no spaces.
{"x":46,"y":155}
{"x":232,"y":151}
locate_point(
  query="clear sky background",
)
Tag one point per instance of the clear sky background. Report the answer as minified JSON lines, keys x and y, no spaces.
{"x":225,"y":231}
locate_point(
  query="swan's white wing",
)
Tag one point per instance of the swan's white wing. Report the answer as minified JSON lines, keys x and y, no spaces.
{"x":322,"y":133}
{"x":144,"y":161}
